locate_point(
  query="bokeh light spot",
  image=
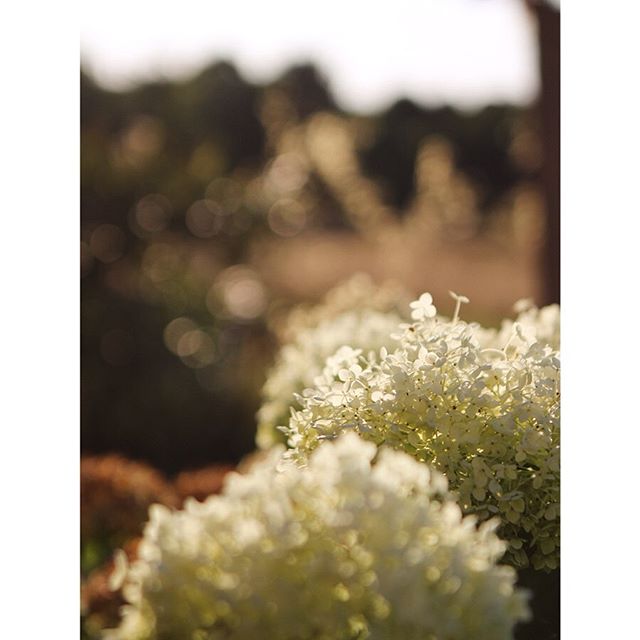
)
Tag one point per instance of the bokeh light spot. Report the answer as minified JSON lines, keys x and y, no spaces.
{"x":152,"y":213}
{"x":174,"y":331}
{"x":226,"y":192}
{"x":160,"y":262}
{"x":241,"y":292}
{"x":204,"y":218}
{"x":196,"y":348}
{"x":107,"y":243}
{"x":288,"y":172}
{"x":287,"y":217}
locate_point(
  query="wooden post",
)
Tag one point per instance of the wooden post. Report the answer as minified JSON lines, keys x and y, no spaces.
{"x":549,"y":51}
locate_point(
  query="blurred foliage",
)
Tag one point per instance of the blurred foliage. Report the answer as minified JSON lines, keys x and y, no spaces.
{"x":184,"y":184}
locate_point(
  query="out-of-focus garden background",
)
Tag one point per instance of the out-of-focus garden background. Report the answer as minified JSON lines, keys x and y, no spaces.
{"x":211,"y":204}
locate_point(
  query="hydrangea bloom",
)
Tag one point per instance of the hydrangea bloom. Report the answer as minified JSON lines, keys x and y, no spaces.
{"x":422,"y":307}
{"x":356,"y":293}
{"x":357,"y":314}
{"x":542,"y":325}
{"x":358,"y":544}
{"x":482,"y":406}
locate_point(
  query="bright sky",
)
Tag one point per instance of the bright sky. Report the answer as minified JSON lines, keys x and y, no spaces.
{"x":466,"y":52}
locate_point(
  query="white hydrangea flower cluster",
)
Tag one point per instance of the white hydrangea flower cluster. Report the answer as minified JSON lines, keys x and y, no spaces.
{"x":356,"y":293}
{"x":358,"y":544}
{"x":484,"y":412}
{"x":531,"y":324}
{"x":357,"y":313}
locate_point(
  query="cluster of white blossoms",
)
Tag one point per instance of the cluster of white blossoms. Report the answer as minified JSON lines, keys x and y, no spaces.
{"x":533,"y":324}
{"x":356,"y":313}
{"x":357,"y":292}
{"x":360,"y":543}
{"x":481,"y":406}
